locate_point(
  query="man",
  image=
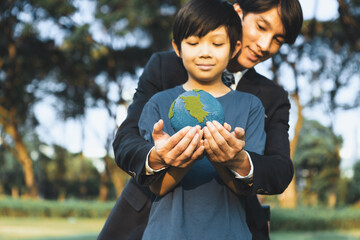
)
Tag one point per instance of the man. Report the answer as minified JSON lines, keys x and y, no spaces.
{"x":267,"y":24}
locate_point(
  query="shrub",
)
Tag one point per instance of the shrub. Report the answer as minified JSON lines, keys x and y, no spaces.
{"x":61,"y":209}
{"x":313,"y":219}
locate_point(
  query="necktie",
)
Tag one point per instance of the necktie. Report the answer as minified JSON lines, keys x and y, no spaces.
{"x":228,"y":78}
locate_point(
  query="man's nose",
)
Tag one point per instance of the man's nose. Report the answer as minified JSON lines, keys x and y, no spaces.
{"x":264,"y":44}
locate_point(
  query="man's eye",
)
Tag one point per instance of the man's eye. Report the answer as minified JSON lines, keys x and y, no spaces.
{"x":192,"y":43}
{"x":261,"y":27}
{"x":279,"y":41}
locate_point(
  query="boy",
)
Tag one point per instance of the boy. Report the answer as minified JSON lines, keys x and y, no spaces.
{"x":199,"y":201}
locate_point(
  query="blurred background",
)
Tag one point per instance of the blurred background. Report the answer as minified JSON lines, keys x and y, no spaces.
{"x":69,"y":69}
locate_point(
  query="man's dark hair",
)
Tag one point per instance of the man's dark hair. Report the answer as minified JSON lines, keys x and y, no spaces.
{"x":199,"y":17}
{"x":290,"y":13}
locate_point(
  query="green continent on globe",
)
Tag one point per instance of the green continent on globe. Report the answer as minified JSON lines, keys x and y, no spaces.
{"x":195,"y":107}
{"x":171,"y":112}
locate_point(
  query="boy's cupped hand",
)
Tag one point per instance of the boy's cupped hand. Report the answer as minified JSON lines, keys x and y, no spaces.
{"x":179,"y":150}
{"x":225,"y":147}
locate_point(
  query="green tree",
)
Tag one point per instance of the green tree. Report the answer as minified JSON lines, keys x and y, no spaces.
{"x":75,"y":74}
{"x":325,"y":57}
{"x":147,"y":20}
{"x":25,"y":60}
{"x":317,"y":162}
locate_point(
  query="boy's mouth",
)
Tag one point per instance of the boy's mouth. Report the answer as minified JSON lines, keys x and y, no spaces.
{"x":205,"y":67}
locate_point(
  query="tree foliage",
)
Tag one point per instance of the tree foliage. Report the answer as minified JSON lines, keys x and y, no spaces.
{"x":78,"y":71}
{"x":75,"y":73}
{"x":25,"y":60}
{"x":327,"y":55}
{"x":317,"y":160}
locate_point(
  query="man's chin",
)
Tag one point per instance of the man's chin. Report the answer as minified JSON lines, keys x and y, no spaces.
{"x":246,"y":63}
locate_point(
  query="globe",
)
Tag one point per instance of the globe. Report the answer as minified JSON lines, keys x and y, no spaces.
{"x":195,"y":107}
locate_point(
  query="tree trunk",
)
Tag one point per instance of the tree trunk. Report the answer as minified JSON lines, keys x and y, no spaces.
{"x":104,"y":189}
{"x":332,"y":200}
{"x":117,"y":176}
{"x":19,"y":151}
{"x":14,"y":192}
{"x":289,"y":198}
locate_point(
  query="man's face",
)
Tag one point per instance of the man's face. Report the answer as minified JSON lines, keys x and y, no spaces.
{"x":263,"y":35}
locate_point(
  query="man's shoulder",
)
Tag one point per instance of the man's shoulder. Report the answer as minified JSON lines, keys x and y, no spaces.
{"x":165,"y":56}
{"x":264,"y":84}
{"x":168,"y":67}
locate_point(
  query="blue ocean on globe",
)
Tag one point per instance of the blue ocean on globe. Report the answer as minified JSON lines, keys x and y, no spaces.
{"x":195,"y":107}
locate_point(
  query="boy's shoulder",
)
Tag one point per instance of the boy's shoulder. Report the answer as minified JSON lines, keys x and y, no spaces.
{"x":248,"y":97}
{"x":168,"y":94}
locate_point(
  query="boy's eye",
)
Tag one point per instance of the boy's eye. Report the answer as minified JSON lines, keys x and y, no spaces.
{"x":192,"y":43}
{"x":218,"y":44}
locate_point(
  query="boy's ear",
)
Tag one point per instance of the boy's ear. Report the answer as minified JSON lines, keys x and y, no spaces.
{"x":239,"y":11}
{"x":236,"y":49}
{"x":176,"y":48}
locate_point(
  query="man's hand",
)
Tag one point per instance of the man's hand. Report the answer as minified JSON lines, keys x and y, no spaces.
{"x":179,"y":150}
{"x":225,"y":147}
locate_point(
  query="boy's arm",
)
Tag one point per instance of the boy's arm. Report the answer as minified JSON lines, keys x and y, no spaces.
{"x":242,"y":165}
{"x":169,"y":180}
{"x":227,"y":177}
{"x":173,"y":175}
{"x":226,"y":149}
{"x":148,"y":122}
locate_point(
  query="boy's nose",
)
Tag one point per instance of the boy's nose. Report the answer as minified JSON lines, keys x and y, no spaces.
{"x":205,"y":50}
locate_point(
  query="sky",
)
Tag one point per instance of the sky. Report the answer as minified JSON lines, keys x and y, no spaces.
{"x":91,"y":133}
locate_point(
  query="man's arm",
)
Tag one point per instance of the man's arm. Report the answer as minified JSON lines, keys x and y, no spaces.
{"x":130,"y":148}
{"x":274,"y":171}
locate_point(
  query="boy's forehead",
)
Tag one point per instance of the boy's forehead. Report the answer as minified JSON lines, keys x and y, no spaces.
{"x":218,"y":32}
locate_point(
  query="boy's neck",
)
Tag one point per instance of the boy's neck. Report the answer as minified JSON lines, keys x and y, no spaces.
{"x":215,"y":88}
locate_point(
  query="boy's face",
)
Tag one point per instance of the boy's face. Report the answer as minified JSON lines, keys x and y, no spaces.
{"x":206,"y":58}
{"x":263,"y":35}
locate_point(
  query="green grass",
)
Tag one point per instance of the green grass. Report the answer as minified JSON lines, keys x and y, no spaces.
{"x":81,"y":237}
{"x":50,"y":228}
{"x":88,"y":229}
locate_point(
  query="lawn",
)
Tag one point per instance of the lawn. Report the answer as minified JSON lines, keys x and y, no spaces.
{"x":49,"y":228}
{"x":88,"y":229}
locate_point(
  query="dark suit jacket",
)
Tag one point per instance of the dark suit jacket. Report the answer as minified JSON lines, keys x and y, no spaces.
{"x":272,"y":172}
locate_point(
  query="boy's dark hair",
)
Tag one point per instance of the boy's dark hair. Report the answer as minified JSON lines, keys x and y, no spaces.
{"x":199,"y":17}
{"x":290,"y":13}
